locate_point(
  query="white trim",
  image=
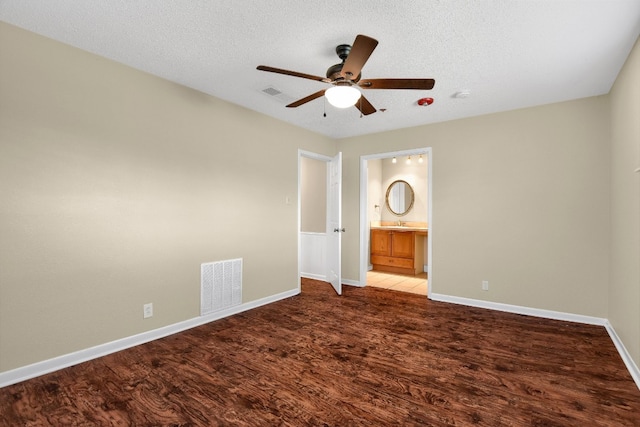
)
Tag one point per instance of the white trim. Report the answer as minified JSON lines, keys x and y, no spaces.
{"x":322,"y":277}
{"x":622,"y":350}
{"x":555,"y":315}
{"x":353,"y":283}
{"x":518,"y":309}
{"x":429,"y":267}
{"x":364,"y":239}
{"x":46,"y":366}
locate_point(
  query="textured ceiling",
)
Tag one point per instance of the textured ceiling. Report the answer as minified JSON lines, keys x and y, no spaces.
{"x":507,"y":54}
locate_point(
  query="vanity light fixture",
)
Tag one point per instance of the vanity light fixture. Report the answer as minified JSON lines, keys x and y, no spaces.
{"x":394,"y":160}
{"x":409,"y":160}
{"x":420,"y":159}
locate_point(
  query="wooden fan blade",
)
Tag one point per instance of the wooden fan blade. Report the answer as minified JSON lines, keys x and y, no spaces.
{"x":292,"y":73}
{"x":425,"y":84}
{"x":365,"y":106}
{"x":306,"y":99}
{"x":361,"y":50}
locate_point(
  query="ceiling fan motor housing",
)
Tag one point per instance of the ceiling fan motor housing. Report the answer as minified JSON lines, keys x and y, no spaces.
{"x":333,"y":72}
{"x":343,"y":50}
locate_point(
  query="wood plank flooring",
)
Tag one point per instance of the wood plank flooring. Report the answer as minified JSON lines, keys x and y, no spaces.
{"x":372,"y":357}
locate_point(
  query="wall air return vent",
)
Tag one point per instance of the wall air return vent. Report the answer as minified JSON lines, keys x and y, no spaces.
{"x":221,"y":285}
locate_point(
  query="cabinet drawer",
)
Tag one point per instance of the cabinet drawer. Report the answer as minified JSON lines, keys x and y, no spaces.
{"x":390,"y":261}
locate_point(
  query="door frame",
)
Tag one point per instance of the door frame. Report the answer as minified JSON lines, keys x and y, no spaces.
{"x":364,"y":225}
{"x":322,"y":158}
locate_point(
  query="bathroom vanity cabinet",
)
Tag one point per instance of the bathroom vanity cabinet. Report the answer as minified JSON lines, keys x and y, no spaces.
{"x":397,"y":250}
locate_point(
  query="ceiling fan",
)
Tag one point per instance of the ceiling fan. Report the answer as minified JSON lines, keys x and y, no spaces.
{"x":345,"y":78}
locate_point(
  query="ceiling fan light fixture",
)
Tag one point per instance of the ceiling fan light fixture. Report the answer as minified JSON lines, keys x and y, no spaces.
{"x":342,"y":96}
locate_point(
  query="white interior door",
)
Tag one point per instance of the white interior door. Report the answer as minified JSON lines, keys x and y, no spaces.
{"x":334,"y":223}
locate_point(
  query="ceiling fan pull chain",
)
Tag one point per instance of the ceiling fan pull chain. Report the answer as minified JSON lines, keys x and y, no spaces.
{"x":324,"y":107}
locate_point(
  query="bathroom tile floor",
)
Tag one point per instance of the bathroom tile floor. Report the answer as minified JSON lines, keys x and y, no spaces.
{"x":413,"y":284}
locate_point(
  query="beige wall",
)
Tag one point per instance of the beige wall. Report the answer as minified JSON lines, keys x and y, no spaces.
{"x":313,"y":195}
{"x":624,"y":290}
{"x":115,"y":186}
{"x":519,"y":199}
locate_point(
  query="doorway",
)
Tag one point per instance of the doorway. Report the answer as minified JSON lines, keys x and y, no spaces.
{"x":377,"y":171}
{"x":320,"y":218}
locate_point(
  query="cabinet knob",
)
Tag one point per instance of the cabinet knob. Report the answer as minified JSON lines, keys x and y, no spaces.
{"x":338,"y":230}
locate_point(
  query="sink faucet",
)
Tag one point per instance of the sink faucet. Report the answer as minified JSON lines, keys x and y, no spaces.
{"x":399,"y":223}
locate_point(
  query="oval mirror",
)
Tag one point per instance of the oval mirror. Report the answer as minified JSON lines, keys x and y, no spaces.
{"x":400,"y":197}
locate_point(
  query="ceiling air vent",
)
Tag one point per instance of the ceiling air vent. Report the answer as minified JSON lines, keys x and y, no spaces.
{"x":277,"y":94}
{"x":271,"y":91}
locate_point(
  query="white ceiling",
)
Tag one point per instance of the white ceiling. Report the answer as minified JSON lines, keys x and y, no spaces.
{"x":508,"y":54}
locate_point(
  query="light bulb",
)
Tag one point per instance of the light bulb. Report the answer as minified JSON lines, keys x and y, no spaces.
{"x":342,"y":96}
{"x":393,"y":160}
{"x":409,"y":160}
{"x":420,"y":159}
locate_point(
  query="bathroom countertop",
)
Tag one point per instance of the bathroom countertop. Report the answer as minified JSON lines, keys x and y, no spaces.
{"x":399,"y":228}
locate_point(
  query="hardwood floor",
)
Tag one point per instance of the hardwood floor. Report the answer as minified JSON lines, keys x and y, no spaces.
{"x":372,"y":357}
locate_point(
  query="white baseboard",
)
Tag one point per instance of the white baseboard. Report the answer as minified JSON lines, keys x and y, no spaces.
{"x":626,"y":357}
{"x":324,"y":279}
{"x":537,"y":312}
{"x":555,"y":315}
{"x":40,"y":368}
{"x":314,"y":276}
{"x":352,"y":283}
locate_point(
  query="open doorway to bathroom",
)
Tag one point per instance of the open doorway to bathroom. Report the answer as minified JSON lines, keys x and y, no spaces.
{"x":395,"y":213}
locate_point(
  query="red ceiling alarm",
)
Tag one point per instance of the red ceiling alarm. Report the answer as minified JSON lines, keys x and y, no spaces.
{"x":425,"y":101}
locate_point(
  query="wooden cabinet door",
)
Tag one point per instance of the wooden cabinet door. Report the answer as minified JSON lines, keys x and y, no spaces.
{"x":402,"y":244}
{"x":380,"y":242}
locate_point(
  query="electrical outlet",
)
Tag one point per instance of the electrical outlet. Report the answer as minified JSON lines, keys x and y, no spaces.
{"x":147,"y":310}
{"x":485,"y":285}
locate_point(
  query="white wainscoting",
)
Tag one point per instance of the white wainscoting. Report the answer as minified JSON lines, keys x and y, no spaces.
{"x":313,"y":255}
